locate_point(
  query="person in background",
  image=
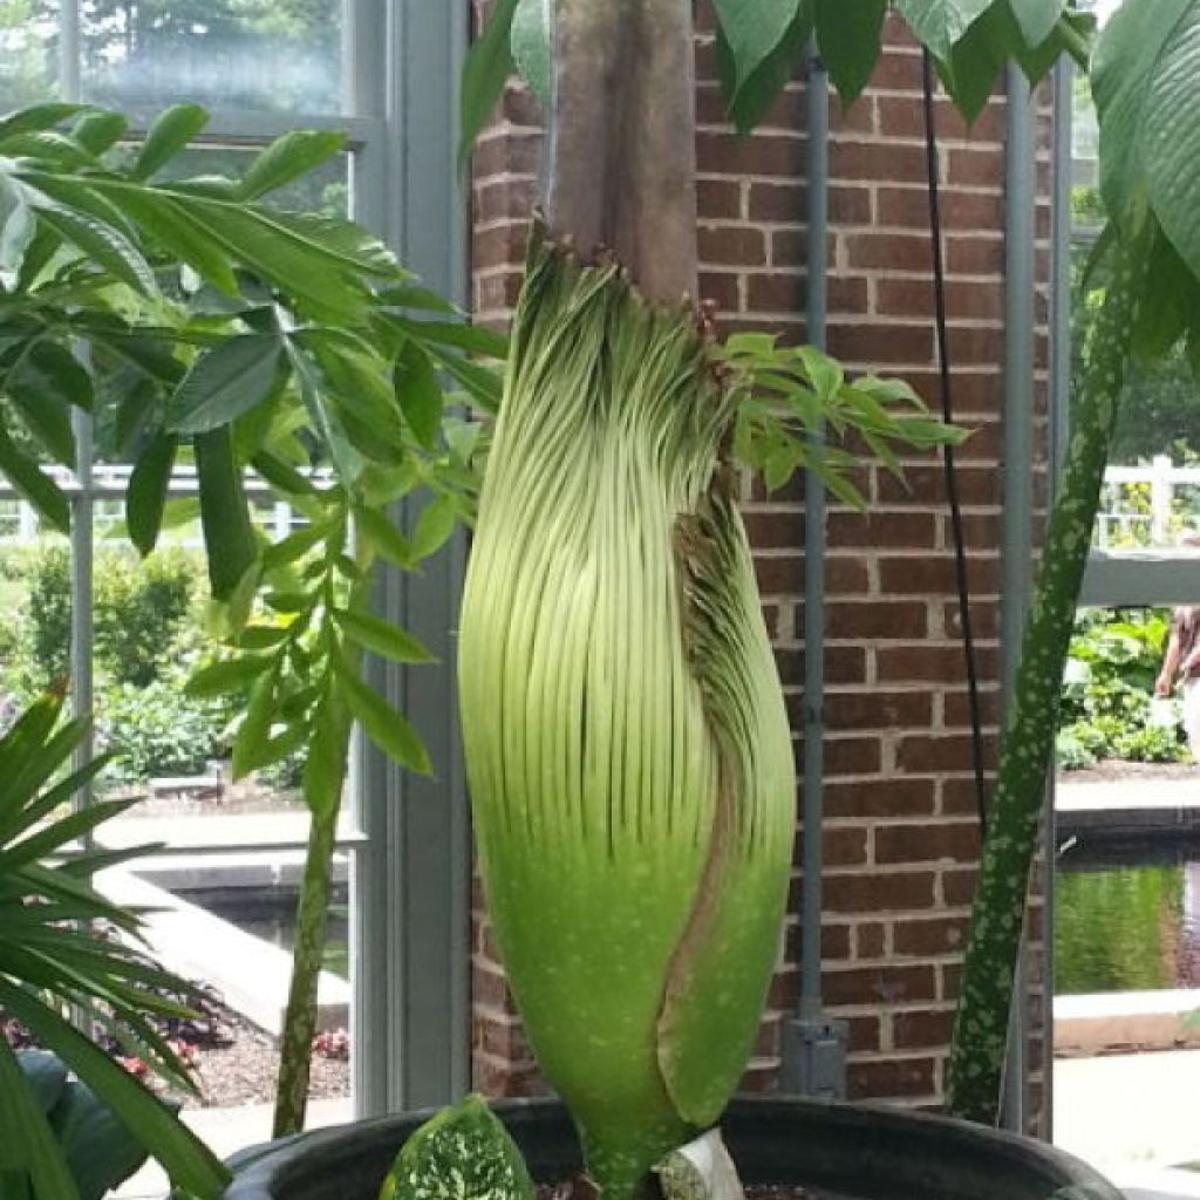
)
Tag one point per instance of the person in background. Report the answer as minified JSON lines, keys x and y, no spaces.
{"x":1182,"y":660}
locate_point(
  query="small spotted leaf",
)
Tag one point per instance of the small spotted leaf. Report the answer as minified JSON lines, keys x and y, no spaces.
{"x":464,"y":1153}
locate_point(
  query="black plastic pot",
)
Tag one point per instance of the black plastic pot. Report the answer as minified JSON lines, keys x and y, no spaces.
{"x":844,"y":1152}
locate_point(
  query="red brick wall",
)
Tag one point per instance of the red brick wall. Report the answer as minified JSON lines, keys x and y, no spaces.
{"x":901,"y":837}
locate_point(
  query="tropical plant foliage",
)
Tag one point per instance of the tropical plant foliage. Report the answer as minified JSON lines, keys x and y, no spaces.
{"x":55,"y":957}
{"x":199,"y":324}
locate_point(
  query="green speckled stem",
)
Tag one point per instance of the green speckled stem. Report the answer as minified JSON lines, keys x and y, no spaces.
{"x":981,"y":1030}
{"x":300,"y":1022}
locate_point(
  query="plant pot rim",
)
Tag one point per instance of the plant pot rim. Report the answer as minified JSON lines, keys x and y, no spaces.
{"x":762,"y":1131}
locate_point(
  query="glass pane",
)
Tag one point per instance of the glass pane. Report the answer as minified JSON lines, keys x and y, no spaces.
{"x":1126,"y":905}
{"x":226,"y":923}
{"x":270,"y":55}
{"x":28,"y":52}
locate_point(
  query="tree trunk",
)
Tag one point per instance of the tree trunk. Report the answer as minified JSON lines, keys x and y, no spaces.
{"x":622,"y":153}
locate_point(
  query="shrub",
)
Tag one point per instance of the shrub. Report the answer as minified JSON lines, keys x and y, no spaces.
{"x":1109,"y":682}
{"x":157,"y":730}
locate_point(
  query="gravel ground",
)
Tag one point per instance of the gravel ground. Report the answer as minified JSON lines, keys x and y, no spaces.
{"x":244,"y":1071}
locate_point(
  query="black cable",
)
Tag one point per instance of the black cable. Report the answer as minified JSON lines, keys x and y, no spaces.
{"x":956,"y":520}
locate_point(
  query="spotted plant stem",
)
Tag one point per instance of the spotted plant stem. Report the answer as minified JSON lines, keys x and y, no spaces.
{"x":979,"y":1046}
{"x":300,"y":1021}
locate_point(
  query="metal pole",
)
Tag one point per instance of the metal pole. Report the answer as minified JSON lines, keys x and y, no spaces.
{"x":1017,"y":564}
{"x":814,"y":1048}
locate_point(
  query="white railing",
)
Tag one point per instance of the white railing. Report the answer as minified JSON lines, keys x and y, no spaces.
{"x":1157,"y":514}
{"x":20,"y":524}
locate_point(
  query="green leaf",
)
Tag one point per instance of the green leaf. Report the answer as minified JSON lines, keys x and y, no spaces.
{"x":462,"y":1151}
{"x":385,"y":537}
{"x":38,"y":388}
{"x":475,"y":339}
{"x":146,"y":496}
{"x":1168,"y":134}
{"x":940,"y":24}
{"x":435,"y":526}
{"x":754,"y":30}
{"x":325,"y":767}
{"x":849,"y":40}
{"x":100,"y":1150}
{"x":381,"y":637}
{"x":46,"y":1076}
{"x":187,"y":1160}
{"x":287,"y":158}
{"x":419,"y":393}
{"x":1036,"y":18}
{"x":1124,"y":69}
{"x":255,"y":729}
{"x":971,"y":73}
{"x":533,"y":45}
{"x":31,"y":1143}
{"x":167,"y":223}
{"x":17,"y":226}
{"x":234,"y":377}
{"x":228,"y":534}
{"x":230,"y":675}
{"x":485,"y":73}
{"x":106,"y":246}
{"x":38,"y":116}
{"x":170,"y":133}
{"x":40,"y":490}
{"x":383,"y":724}
{"x":750,"y":99}
{"x":99,"y":131}
{"x":824,"y":373}
{"x":412,"y":296}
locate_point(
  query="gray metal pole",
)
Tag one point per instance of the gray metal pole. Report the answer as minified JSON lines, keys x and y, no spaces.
{"x":814,"y":1047}
{"x":1017,"y":529}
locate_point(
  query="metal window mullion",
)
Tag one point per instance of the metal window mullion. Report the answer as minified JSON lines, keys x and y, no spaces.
{"x":82,"y":595}
{"x":70,"y":48}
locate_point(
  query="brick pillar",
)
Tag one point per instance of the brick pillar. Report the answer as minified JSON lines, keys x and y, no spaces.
{"x":901,"y":838}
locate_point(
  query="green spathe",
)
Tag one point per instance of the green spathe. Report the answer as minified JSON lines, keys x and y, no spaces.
{"x":628,"y":749}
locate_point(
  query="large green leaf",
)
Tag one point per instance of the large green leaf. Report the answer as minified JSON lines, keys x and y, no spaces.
{"x":187,"y":1160}
{"x":382,"y":637}
{"x":287,"y":158}
{"x":1124,"y":70}
{"x":749,"y":100}
{"x":228,"y":534}
{"x":99,"y":1148}
{"x":146,"y":495}
{"x":167,"y":136}
{"x":488,"y":66}
{"x":1164,"y":149}
{"x":849,"y":40}
{"x":31,"y":1143}
{"x":106,"y":246}
{"x":753,"y":31}
{"x":39,"y":489}
{"x":43,"y":386}
{"x":939,"y":24}
{"x":39,"y":116}
{"x":232,"y":378}
{"x":419,"y":393}
{"x":1037,"y":18}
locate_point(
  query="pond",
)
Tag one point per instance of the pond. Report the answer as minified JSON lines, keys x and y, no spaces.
{"x":271,"y":915}
{"x":1127,"y":916}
